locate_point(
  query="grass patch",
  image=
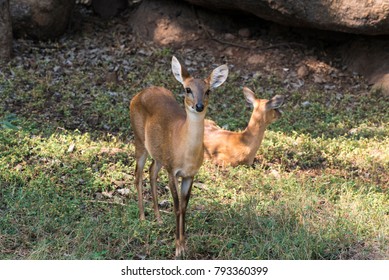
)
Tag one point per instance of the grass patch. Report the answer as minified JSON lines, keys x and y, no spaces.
{"x":319,"y":188}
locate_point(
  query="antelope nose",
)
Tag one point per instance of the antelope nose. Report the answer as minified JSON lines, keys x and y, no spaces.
{"x":199,"y":107}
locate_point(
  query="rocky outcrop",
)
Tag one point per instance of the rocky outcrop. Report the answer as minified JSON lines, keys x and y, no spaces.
{"x":351,"y":16}
{"x":40,"y":19}
{"x":170,"y":22}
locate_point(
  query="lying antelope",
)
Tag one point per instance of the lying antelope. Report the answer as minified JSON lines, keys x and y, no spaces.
{"x":234,"y":148}
{"x":173,"y":137}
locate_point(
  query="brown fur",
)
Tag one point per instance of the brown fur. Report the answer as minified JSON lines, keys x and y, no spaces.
{"x":173,"y":137}
{"x":225,"y":147}
{"x":161,"y":128}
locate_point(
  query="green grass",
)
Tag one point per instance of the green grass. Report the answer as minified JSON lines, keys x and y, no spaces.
{"x":319,"y":188}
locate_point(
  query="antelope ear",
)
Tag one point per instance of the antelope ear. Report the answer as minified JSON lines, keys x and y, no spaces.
{"x":275,"y":102}
{"x":179,"y":72}
{"x":218,"y":76}
{"x":249,"y":95}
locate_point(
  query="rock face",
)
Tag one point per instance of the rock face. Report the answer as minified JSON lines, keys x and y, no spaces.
{"x":352,"y":16}
{"x":40,"y":19}
{"x":174,"y":22}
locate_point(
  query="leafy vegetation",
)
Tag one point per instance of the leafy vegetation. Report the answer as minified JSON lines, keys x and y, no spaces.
{"x":318,"y":190}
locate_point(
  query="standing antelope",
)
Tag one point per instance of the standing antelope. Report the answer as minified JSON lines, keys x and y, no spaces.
{"x":234,"y":148}
{"x":173,"y":137}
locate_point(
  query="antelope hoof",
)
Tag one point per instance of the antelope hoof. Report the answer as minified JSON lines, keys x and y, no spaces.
{"x":180,"y":252}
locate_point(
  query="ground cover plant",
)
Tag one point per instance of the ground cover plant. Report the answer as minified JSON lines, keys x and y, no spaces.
{"x":318,"y":189}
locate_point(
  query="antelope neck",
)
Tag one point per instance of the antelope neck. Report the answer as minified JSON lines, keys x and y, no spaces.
{"x":253,"y":134}
{"x":193,"y":132}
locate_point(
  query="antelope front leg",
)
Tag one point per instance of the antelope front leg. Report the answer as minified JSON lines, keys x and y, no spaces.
{"x":186,"y":188}
{"x":173,"y":183}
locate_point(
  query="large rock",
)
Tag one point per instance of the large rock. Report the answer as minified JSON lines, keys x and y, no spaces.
{"x":352,"y":16}
{"x":174,"y":22}
{"x":40,"y":19}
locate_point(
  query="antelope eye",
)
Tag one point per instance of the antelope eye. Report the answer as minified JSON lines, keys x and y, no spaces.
{"x":188,"y":90}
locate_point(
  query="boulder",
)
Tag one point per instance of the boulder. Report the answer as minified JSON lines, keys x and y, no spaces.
{"x":351,"y":16}
{"x":174,"y":22}
{"x":40,"y":19}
